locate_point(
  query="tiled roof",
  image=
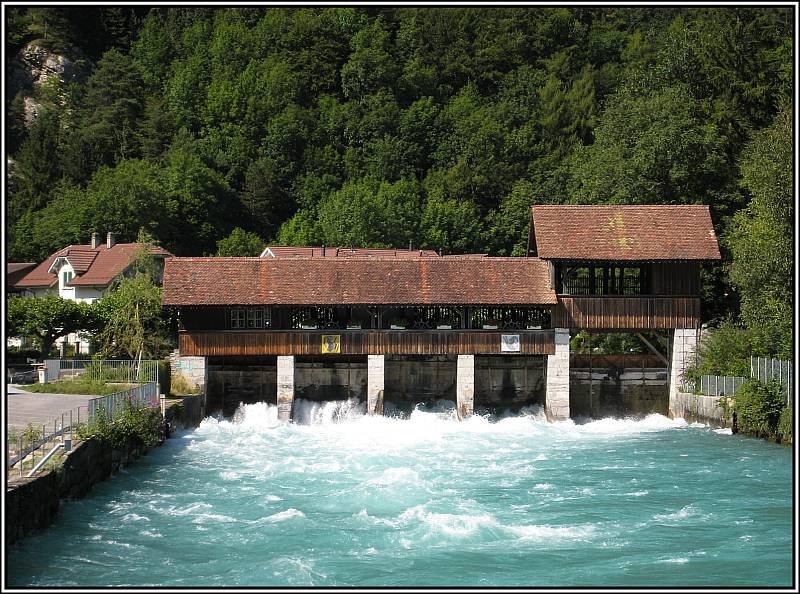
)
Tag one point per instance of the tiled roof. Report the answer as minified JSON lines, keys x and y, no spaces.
{"x":16,"y":270}
{"x":93,"y":267}
{"x":341,"y":252}
{"x":574,"y":232}
{"x":362,"y":281}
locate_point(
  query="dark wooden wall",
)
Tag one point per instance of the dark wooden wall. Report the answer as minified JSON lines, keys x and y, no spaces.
{"x":626,"y":313}
{"x":374,"y":342}
{"x":674,"y":278}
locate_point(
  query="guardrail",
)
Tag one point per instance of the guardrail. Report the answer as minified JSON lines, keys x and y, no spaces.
{"x":114,"y":403}
{"x":63,"y":426}
{"x":27,"y":444}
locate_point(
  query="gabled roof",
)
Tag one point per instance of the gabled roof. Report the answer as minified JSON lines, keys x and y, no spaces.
{"x":357,"y":281}
{"x":616,"y":232}
{"x":93,"y":267}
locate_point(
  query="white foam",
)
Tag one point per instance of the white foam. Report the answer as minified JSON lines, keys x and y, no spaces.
{"x":392,"y":477}
{"x":680,"y":515}
{"x":679,"y":560}
{"x":287,"y":514}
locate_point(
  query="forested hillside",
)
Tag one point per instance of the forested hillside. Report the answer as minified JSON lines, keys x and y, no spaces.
{"x":380,"y":127}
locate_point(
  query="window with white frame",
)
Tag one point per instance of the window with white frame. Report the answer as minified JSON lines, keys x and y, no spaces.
{"x":66,"y":276}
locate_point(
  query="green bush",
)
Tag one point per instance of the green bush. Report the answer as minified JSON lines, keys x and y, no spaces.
{"x":785,"y":429}
{"x":725,"y":350}
{"x":758,"y":407}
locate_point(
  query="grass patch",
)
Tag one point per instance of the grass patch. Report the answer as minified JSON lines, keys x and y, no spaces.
{"x":180,"y":386}
{"x":91,"y":387}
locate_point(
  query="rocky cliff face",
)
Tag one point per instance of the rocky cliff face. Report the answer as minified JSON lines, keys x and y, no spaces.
{"x":36,"y":67}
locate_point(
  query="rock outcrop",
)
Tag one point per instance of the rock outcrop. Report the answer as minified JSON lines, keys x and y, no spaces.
{"x":35,"y":65}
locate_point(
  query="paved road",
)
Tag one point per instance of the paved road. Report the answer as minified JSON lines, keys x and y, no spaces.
{"x":27,"y":407}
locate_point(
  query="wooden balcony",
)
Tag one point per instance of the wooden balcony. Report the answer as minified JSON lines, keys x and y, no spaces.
{"x":362,"y":342}
{"x":626,"y":313}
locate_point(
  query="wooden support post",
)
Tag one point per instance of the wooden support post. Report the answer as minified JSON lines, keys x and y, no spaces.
{"x":655,"y":351}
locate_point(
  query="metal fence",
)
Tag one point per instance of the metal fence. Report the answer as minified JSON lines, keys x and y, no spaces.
{"x":107,"y":370}
{"x":32,"y":439}
{"x":115,"y":403}
{"x":720,"y":385}
{"x":764,"y":370}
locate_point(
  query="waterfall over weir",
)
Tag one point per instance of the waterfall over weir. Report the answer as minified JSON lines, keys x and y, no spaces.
{"x":337,"y":497}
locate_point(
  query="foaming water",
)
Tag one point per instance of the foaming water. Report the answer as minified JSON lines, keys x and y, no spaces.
{"x":340,"y":498}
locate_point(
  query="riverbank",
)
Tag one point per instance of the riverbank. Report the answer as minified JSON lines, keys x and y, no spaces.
{"x":33,"y":503}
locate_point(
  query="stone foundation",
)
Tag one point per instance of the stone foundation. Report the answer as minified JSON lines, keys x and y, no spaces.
{"x":557,"y":390}
{"x":465,"y":385}
{"x":696,"y":408}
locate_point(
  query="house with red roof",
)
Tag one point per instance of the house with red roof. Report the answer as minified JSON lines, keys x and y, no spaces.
{"x":82,"y":273}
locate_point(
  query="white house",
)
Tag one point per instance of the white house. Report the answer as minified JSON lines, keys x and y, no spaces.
{"x":82,"y":273}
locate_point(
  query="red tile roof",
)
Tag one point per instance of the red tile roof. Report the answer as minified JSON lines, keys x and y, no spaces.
{"x":578,"y":232}
{"x":16,"y":270}
{"x":93,"y":267}
{"x":356,"y":281}
{"x":341,"y":252}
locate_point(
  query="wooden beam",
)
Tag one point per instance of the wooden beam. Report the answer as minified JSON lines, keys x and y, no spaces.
{"x":650,"y":346}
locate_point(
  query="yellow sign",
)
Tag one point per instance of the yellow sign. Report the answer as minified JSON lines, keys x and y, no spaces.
{"x":331,"y":344}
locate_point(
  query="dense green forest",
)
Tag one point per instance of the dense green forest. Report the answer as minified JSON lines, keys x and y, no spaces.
{"x":388,"y":126}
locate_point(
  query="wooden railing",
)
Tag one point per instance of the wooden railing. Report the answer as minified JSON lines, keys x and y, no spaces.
{"x":364,"y":342}
{"x":626,"y":313}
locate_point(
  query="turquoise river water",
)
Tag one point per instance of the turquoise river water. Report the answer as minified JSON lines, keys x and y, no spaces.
{"x":337,"y":498}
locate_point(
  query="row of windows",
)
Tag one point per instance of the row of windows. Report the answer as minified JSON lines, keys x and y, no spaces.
{"x":250,"y":317}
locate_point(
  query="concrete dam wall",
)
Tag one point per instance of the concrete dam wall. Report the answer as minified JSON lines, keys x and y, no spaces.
{"x":500,"y":381}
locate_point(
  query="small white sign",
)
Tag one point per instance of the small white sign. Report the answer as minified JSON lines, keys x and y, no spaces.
{"x":509,"y":343}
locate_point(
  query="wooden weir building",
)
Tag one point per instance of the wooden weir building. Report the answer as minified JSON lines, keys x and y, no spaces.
{"x":598,"y":268}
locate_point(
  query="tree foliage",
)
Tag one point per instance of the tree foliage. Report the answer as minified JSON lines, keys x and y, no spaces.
{"x":435,"y":126}
{"x":133,"y":321}
{"x":760,"y":238}
{"x":48,"y":318}
{"x":240,"y":243}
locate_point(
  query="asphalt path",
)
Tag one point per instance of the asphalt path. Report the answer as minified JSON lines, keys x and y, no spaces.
{"x":38,"y":409}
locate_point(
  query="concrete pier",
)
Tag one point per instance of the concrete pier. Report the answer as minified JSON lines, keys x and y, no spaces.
{"x":193,"y":369}
{"x":557,"y":391}
{"x":684,"y":345}
{"x":375,"y":384}
{"x":465,"y":385}
{"x":285,"y":387}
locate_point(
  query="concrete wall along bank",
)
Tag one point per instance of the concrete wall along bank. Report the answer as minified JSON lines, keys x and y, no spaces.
{"x":698,"y":408}
{"x":33,"y":503}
